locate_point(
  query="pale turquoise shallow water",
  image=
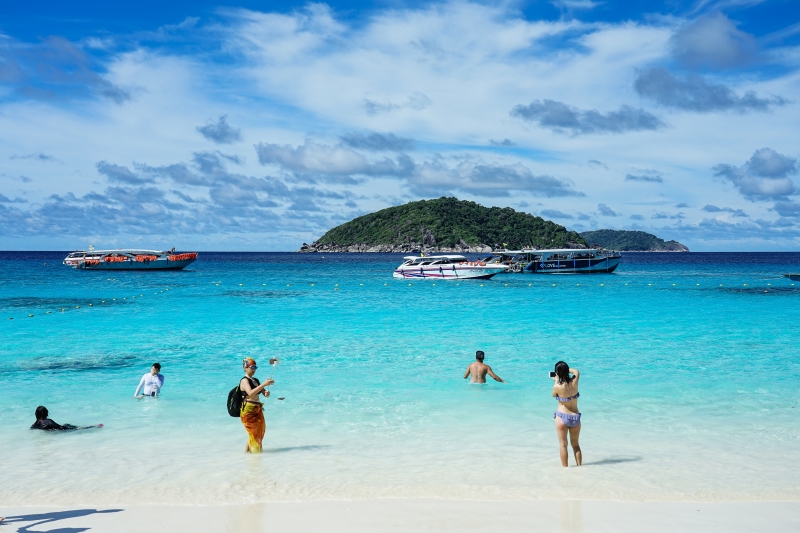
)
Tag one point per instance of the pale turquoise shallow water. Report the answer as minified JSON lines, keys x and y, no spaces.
{"x":689,"y":380}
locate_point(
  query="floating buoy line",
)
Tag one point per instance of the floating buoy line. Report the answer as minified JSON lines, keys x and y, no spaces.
{"x":92,"y":304}
{"x":336,"y":288}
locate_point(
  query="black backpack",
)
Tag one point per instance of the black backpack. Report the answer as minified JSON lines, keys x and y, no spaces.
{"x":236,"y":398}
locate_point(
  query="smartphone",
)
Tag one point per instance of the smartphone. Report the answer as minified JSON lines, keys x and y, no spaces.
{"x":552,"y":374}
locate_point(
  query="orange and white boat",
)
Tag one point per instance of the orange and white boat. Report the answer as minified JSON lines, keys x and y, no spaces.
{"x":129,"y":259}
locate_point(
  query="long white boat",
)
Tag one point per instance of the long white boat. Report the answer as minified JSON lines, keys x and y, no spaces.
{"x":559,"y":261}
{"x":129,"y":259}
{"x":446,"y":267}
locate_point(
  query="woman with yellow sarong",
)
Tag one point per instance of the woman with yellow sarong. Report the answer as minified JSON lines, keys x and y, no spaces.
{"x":252,"y":413}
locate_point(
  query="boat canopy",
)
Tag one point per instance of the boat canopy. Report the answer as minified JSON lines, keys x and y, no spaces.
{"x":131,"y":251}
{"x":432,"y":257}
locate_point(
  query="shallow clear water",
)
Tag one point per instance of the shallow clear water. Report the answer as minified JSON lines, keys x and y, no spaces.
{"x":689,"y":380}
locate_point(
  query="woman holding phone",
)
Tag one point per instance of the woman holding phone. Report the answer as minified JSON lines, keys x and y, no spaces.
{"x":252,"y":412}
{"x":567,"y":416}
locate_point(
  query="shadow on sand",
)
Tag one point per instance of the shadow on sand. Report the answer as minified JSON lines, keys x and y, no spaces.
{"x":48,"y":518}
{"x":612,"y":461}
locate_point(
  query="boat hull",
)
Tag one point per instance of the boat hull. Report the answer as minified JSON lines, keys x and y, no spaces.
{"x":447,"y":272}
{"x":159,"y":264}
{"x":793,"y":277}
{"x":604,"y":265}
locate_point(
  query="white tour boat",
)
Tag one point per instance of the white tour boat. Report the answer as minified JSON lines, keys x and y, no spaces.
{"x":446,"y":267}
{"x":558,"y":261}
{"x":129,"y":259}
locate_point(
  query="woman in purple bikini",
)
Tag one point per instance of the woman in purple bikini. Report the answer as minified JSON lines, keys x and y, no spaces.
{"x":568,"y":418}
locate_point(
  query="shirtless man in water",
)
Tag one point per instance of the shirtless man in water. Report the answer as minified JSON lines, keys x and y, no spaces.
{"x":479,"y":370}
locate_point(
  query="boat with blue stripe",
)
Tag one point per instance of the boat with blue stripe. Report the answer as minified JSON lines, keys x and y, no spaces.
{"x":446,"y":267}
{"x":558,"y":261}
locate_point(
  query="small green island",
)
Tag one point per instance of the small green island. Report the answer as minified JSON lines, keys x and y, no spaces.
{"x":451,"y":225}
{"x":444,"y":225}
{"x":631,"y":241}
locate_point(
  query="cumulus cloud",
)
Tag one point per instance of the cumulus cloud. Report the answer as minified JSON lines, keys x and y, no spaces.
{"x":560,"y":117}
{"x":637,"y":217}
{"x":6,"y":200}
{"x":220,"y":131}
{"x":416,"y":101}
{"x":646,"y":175}
{"x":188,"y":199}
{"x":734,"y":212}
{"x":787,"y":209}
{"x":38,"y":156}
{"x":335,"y":160}
{"x":765,"y":176}
{"x":713,"y":41}
{"x":121,"y":174}
{"x":758,"y":232}
{"x":682,"y":204}
{"x":606,"y":211}
{"x":221,"y":202}
{"x":695,"y":93}
{"x":504,"y":142}
{"x":555,"y":213}
{"x":54,"y":68}
{"x":483,"y":178}
{"x":378,"y":142}
{"x":670,"y":216}
{"x":594,"y":163}
{"x":575,"y":5}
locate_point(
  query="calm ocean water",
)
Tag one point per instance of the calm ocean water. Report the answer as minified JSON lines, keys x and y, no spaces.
{"x":690,"y":380}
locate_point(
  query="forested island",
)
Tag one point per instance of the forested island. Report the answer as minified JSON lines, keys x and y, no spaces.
{"x":631,"y":241}
{"x":445,"y":225}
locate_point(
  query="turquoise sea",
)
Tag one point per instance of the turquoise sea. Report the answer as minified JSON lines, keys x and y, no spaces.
{"x":690,"y":380}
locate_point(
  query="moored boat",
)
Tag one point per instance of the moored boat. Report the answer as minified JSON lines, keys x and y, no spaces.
{"x":129,"y":259}
{"x":558,"y":261}
{"x":793,"y":277}
{"x":446,"y":267}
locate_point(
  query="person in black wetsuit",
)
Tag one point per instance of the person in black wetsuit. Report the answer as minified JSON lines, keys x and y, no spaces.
{"x":42,"y":422}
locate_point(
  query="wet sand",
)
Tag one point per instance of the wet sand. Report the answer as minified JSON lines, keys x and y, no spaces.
{"x":417,"y":515}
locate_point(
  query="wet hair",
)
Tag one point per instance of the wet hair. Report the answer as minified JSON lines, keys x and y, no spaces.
{"x":479,"y":355}
{"x":157,"y":366}
{"x":562,"y":372}
{"x":41,"y":412}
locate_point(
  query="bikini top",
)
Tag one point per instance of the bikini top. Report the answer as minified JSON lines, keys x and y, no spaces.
{"x":568,"y":398}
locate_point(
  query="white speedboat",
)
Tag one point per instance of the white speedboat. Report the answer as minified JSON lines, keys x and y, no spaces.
{"x":129,"y":259}
{"x":446,"y":267}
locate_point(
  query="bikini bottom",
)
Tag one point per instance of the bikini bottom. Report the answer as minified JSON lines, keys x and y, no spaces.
{"x":570,"y":420}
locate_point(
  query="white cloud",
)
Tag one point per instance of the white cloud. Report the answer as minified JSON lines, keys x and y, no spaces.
{"x":713,"y":41}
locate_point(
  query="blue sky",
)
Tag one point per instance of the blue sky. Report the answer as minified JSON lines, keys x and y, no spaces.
{"x":255,"y":125}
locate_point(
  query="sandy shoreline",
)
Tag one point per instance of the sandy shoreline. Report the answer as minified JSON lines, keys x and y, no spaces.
{"x":415,"y":515}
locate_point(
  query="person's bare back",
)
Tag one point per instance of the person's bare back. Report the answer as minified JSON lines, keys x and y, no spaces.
{"x":478,"y":370}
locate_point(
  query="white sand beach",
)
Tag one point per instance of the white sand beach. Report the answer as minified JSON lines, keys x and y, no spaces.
{"x":416,"y":515}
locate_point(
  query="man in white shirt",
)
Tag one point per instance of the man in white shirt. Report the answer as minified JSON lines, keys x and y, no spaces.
{"x":151,"y":382}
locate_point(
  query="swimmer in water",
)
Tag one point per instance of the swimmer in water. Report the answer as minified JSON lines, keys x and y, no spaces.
{"x":151,"y":382}
{"x":43,"y":422}
{"x":478,"y":370}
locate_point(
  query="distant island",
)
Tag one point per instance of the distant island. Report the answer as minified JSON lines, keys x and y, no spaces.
{"x":631,"y":241}
{"x":445,"y":225}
